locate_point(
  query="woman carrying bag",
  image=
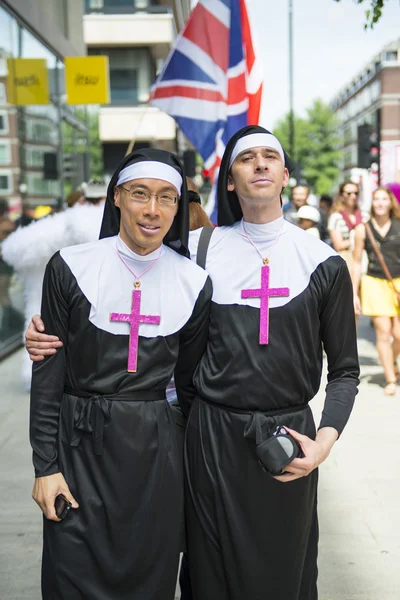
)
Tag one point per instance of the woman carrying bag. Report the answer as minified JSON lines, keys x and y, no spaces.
{"x":380,"y":287}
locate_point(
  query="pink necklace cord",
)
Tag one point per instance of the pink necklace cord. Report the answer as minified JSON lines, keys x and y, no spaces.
{"x":137,"y":277}
{"x":273,"y":245}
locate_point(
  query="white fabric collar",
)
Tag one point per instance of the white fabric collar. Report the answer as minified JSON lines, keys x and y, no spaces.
{"x":170,"y":289}
{"x":262,"y":231}
{"x":128,"y":254}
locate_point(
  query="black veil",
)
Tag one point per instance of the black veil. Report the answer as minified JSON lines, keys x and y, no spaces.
{"x":229,"y":211}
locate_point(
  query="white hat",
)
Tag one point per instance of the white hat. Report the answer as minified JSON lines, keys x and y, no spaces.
{"x":94,"y":189}
{"x":309,"y":212}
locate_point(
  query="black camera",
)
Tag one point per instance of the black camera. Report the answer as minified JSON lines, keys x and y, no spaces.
{"x":276,"y":452}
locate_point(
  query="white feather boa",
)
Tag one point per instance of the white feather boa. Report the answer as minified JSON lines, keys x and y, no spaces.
{"x":33,"y":246}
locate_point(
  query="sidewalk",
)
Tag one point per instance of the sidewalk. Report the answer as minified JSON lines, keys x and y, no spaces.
{"x":358,"y":498}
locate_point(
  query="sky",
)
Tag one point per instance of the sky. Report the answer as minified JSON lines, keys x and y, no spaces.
{"x":330,"y":47}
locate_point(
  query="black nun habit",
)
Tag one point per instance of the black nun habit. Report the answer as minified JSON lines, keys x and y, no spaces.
{"x":251,"y":537}
{"x":106,"y":428}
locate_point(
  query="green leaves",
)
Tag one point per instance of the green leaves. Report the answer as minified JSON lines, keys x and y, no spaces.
{"x":317,"y":145}
{"x":372,"y":14}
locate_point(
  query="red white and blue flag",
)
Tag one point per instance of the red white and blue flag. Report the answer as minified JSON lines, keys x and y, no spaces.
{"x":211,"y":83}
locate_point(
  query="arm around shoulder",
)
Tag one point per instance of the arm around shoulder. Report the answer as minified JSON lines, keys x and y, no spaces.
{"x":192,"y":345}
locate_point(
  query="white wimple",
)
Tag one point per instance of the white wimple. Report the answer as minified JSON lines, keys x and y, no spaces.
{"x":151,"y":169}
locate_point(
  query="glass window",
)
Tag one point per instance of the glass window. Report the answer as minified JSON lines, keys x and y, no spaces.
{"x":131,"y":74}
{"x":390,"y":56}
{"x":3,"y":98}
{"x":3,"y":122}
{"x":9,"y":35}
{"x":5,"y":152}
{"x":5,"y":182}
{"x":37,"y":186}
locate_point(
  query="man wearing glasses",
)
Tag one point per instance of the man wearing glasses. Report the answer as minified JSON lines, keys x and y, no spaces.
{"x":130,"y":310}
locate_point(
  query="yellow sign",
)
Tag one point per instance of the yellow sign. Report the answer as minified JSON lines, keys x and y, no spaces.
{"x":87,"y":80}
{"x":27,"y":81}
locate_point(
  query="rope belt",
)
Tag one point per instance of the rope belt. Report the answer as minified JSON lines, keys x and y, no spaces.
{"x":93,"y":414}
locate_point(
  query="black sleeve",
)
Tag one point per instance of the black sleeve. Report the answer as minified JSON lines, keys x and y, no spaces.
{"x":339,"y":336}
{"x":192,"y":345}
{"x":48,"y":376}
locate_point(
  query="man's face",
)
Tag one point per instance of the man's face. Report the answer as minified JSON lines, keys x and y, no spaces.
{"x":300,"y":195}
{"x":144,"y":225}
{"x":258,"y":175}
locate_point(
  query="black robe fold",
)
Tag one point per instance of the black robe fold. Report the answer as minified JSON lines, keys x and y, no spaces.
{"x":112,"y":435}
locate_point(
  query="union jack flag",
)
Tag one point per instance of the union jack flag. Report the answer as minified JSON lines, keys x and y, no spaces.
{"x":211,"y":83}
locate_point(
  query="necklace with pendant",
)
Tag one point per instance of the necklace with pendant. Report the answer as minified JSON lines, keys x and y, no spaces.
{"x":264,"y":292}
{"x":134,"y":318}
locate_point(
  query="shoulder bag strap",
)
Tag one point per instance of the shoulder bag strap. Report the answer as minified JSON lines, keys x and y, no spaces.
{"x":202,"y":248}
{"x":379,"y":255}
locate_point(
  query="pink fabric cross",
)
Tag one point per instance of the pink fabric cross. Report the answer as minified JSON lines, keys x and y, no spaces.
{"x":265,"y":293}
{"x":134,"y":319}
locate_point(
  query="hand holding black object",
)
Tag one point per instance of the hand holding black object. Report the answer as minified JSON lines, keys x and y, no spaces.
{"x":277,"y":451}
{"x":45,"y":491}
{"x":315,"y":452}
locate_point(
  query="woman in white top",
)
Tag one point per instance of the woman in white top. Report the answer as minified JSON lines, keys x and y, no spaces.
{"x":344,"y":218}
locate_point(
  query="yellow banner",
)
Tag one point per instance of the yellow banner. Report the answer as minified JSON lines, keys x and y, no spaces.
{"x":27,"y":81}
{"x":87,"y":80}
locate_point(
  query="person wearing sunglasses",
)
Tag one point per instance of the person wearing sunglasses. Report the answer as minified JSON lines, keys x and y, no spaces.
{"x":344,"y":218}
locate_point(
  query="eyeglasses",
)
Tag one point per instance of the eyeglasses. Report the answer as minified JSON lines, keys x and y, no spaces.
{"x":350,"y":193}
{"x":143,"y":197}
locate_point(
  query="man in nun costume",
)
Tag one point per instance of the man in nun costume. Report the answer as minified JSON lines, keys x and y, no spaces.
{"x":130,"y":310}
{"x":279,"y":297}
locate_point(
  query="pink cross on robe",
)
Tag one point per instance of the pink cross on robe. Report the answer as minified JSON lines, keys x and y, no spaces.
{"x":265,"y":293}
{"x":134,"y":318}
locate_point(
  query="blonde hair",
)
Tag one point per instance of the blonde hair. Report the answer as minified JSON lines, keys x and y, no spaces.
{"x":394,"y":209}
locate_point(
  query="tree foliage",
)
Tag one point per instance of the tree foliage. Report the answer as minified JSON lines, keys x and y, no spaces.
{"x":316,"y":146}
{"x":91,"y":119}
{"x":373,"y":13}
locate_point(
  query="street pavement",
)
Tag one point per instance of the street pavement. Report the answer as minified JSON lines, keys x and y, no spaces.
{"x":359,"y":493}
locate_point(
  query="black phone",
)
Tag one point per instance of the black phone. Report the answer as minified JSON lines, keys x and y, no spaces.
{"x":62,"y":506}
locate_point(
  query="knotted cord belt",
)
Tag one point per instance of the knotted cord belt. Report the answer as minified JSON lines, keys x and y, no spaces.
{"x":93,"y":413}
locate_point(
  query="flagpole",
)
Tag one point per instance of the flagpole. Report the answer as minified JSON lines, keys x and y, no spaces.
{"x":291,"y":101}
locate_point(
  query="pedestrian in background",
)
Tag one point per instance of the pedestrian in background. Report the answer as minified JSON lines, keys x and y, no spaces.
{"x":379,"y":299}
{"x":28,"y":249}
{"x":325,"y":204}
{"x":308,"y":219}
{"x":27,"y":217}
{"x":300,"y":194}
{"x":345,"y":217}
{"x":10,"y":319}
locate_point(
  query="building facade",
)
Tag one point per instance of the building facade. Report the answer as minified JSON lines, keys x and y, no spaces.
{"x":136,"y":35}
{"x":373,"y":97}
{"x":49,"y":30}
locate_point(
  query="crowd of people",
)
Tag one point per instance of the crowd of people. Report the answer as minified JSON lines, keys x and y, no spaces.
{"x":369,"y":242}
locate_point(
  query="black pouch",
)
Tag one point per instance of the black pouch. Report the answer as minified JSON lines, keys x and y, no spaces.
{"x":276,"y":449}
